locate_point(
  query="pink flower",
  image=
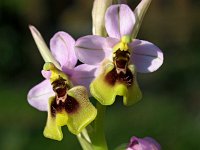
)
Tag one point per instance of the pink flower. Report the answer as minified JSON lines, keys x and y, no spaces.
{"x":118,"y":57}
{"x":62,"y":49}
{"x":65,"y":103}
{"x":146,"y":143}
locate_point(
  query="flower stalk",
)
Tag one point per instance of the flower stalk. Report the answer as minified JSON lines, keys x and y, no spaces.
{"x":98,"y":135}
{"x":85,"y":144}
{"x":98,"y":17}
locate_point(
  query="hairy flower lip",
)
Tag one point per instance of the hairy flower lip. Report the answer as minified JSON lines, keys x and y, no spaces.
{"x":70,"y":105}
{"x":125,"y":78}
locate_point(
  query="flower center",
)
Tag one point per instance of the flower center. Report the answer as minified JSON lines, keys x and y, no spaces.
{"x":60,"y":84}
{"x":121,"y":54}
{"x":70,"y":105}
{"x":112,"y":77}
{"x":121,"y":57}
{"x":121,"y":60}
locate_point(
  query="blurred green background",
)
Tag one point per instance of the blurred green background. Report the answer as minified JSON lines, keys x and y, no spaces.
{"x":170,"y":109}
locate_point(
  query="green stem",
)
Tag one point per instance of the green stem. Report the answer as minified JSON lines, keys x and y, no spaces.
{"x":85,"y":135}
{"x":86,"y":145}
{"x":98,"y":136}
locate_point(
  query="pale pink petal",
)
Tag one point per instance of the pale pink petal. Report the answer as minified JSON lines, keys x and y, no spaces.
{"x":152,"y":143}
{"x":146,"y":143}
{"x":39,"y":95}
{"x":146,"y":56}
{"x":68,"y":71}
{"x":84,"y":74}
{"x":111,"y":42}
{"x":112,"y":21}
{"x":126,"y":19}
{"x":91,"y":49}
{"x":46,"y":74}
{"x":119,"y":21}
{"x":62,"y":48}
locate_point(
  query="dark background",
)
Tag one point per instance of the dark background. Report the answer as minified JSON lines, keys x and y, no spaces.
{"x":170,"y":109}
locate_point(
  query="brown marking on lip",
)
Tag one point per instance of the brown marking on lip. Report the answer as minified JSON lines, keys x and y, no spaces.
{"x":121,"y":59}
{"x":60,"y":87}
{"x":121,"y":63}
{"x":70,"y":105}
{"x":120,"y":73}
{"x":112,"y":77}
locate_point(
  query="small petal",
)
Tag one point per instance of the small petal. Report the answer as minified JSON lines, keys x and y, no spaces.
{"x":154,"y":144}
{"x":39,"y":95}
{"x":84,"y":74}
{"x":146,"y":143}
{"x":90,"y":49}
{"x":119,"y":21}
{"x":84,"y":114}
{"x":62,"y":48}
{"x":46,"y":74}
{"x":145,"y":56}
{"x":55,"y":73}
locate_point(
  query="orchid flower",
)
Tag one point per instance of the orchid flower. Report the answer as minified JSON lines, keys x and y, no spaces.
{"x":118,"y":57}
{"x":65,"y":103}
{"x":146,"y":143}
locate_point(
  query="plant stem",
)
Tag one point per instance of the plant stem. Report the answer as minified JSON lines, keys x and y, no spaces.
{"x":84,"y":143}
{"x":98,"y":136}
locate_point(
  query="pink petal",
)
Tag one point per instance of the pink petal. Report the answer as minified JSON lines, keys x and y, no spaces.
{"x":111,"y":42}
{"x":91,"y":49}
{"x":119,"y":21}
{"x":146,"y":56}
{"x":62,"y":48}
{"x":46,"y":74}
{"x":146,"y":143}
{"x":84,"y":74}
{"x":153,"y":143}
{"x":39,"y":95}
